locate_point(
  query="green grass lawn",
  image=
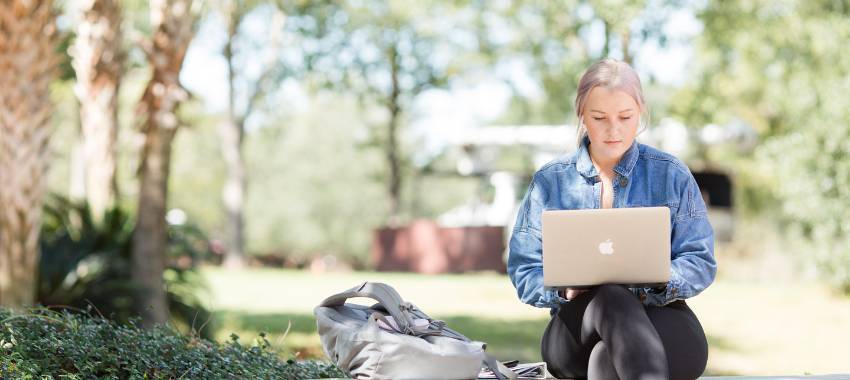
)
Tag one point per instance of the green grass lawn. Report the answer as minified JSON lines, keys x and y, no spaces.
{"x":753,"y":328}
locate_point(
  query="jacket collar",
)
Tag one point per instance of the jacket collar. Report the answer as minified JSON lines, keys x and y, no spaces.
{"x":624,"y":168}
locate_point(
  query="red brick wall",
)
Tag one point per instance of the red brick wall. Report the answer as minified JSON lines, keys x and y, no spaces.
{"x":425,"y":247}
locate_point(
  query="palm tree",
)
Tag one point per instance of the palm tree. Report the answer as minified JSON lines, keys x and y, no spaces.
{"x":27,"y":63}
{"x":97,"y":61}
{"x":173,"y":27}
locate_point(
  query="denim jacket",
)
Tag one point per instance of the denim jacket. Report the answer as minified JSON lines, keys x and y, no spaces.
{"x":644,"y":177}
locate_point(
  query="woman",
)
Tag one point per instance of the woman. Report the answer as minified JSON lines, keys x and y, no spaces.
{"x":611,"y":331}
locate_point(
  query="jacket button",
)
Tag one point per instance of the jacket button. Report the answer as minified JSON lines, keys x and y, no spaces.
{"x":642,"y":297}
{"x":624,"y":181}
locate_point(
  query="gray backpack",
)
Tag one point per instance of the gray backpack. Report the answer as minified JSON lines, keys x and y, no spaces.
{"x":393,"y":339}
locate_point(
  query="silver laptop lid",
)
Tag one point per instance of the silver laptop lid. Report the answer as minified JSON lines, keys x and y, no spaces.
{"x":629,"y":246}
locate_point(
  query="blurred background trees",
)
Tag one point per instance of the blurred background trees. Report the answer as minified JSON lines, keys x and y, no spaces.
{"x":304,"y":126}
{"x":232,"y":129}
{"x":774,"y":66}
{"x":392,"y":52}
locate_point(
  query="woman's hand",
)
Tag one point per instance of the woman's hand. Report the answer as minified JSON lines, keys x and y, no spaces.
{"x":571,"y":294}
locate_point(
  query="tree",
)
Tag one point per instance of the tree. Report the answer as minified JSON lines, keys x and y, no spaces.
{"x":232,"y":130}
{"x":27,"y":66}
{"x":245,"y":52}
{"x":314,"y":191}
{"x":774,"y":66}
{"x":553,"y":42}
{"x":617,"y":16}
{"x":392,"y":54}
{"x":548,"y":41}
{"x":98,"y":63}
{"x":173,"y":27}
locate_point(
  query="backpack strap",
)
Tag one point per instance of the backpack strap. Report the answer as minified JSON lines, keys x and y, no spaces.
{"x":385,"y":295}
{"x":438,"y":327}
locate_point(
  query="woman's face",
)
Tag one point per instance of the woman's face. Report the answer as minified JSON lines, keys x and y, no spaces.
{"x":611,"y":118}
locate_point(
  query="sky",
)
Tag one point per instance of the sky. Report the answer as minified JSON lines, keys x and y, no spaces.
{"x":445,"y":110}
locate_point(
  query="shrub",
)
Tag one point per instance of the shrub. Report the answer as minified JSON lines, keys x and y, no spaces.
{"x":48,"y":344}
{"x":813,"y":187}
{"x":84,"y":263}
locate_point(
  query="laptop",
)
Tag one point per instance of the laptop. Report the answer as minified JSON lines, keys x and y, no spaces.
{"x":628,"y":246}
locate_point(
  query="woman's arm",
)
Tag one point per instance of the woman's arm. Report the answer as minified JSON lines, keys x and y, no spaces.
{"x":525,"y":258}
{"x":692,"y":267}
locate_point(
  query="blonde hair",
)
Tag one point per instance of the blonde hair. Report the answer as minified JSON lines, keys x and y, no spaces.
{"x":613,"y":74}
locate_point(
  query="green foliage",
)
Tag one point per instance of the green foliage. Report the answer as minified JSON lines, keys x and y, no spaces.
{"x":49,"y":344}
{"x":88,"y":265}
{"x":555,"y":42}
{"x":814,"y":186}
{"x":85,"y":262}
{"x":313,"y":189}
{"x":397,"y":50}
{"x":545,"y":37}
{"x":775,"y":66}
{"x":197,"y":164}
{"x":315,"y":186}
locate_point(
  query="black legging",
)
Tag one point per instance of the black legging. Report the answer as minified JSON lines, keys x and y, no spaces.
{"x":607,"y":333}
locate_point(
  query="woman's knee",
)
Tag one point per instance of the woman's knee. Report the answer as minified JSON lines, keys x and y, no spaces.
{"x":611,"y":304}
{"x":613,"y":291}
{"x":617,"y":296}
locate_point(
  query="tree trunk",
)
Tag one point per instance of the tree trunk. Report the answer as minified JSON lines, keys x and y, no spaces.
{"x":97,"y":61}
{"x":27,"y":63}
{"x":231,"y":133}
{"x":626,"y":36}
{"x":173,"y":27}
{"x":150,"y":239}
{"x":233,"y":194}
{"x":607,"y":40}
{"x":392,"y":148}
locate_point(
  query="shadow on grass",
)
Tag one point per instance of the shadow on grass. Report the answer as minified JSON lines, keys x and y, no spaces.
{"x":294,"y":335}
{"x":506,"y":339}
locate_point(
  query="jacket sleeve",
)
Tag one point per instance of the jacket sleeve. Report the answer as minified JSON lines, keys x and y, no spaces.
{"x":525,"y":257}
{"x":692,"y":266}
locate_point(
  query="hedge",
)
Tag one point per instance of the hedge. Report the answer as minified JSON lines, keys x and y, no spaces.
{"x":47,"y":344}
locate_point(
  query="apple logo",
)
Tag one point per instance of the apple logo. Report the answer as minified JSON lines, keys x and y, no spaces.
{"x":606,"y":247}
